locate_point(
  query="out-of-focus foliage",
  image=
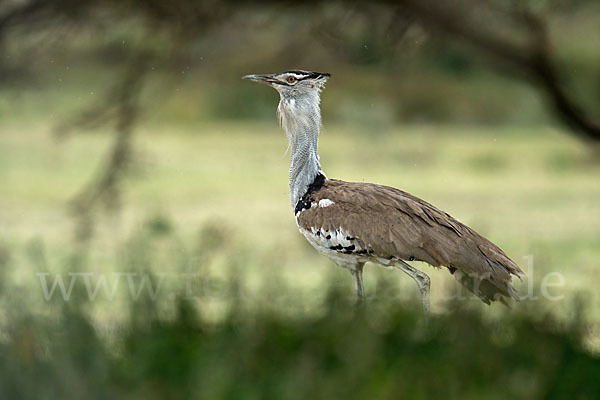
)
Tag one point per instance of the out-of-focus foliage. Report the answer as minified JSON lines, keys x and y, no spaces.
{"x":387,"y":58}
{"x":385,"y":351}
{"x":255,"y":349}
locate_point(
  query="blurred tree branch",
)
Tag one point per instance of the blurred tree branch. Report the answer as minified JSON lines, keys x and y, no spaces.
{"x":513,"y":39}
{"x":120,"y":105}
{"x":511,"y":36}
{"x":528,"y":55}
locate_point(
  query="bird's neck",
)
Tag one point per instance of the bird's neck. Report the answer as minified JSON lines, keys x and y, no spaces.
{"x":301,"y":120}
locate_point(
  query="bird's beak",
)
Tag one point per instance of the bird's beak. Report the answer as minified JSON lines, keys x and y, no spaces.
{"x":267,"y":79}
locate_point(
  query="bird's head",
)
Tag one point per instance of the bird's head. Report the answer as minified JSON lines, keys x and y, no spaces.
{"x":293,"y":84}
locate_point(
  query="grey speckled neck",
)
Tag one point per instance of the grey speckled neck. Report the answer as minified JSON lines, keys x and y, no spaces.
{"x":300,"y":117}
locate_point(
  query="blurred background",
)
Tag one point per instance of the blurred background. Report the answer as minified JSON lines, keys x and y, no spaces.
{"x":147,"y":245}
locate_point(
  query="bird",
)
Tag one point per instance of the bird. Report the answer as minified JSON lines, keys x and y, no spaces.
{"x":353,"y":223}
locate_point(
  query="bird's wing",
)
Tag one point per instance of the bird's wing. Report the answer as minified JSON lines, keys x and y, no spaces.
{"x":390,"y":223}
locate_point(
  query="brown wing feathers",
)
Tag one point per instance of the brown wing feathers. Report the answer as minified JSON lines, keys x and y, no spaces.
{"x":390,"y":223}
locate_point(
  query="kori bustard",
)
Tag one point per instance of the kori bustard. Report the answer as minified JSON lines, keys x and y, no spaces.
{"x":354,"y":223}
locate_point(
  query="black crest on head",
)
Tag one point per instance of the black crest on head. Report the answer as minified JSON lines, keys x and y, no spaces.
{"x":308,"y":74}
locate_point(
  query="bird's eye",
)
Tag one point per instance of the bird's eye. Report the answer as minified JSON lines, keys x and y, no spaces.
{"x":291,"y":79}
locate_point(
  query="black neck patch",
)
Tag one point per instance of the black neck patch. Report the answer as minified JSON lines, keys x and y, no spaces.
{"x":306,"y":200}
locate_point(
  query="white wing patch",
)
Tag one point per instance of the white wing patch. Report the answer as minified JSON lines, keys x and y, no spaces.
{"x":332,"y":238}
{"x":325,"y":203}
{"x":334,"y":242}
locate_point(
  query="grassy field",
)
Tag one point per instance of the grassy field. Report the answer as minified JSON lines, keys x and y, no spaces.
{"x":266,"y":316}
{"x":534,"y":191}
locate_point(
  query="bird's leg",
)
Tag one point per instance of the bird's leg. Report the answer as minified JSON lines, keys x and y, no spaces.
{"x":358,"y":284}
{"x":421,"y":278}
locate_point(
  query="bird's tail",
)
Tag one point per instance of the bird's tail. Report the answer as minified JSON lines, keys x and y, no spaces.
{"x":486,"y":288}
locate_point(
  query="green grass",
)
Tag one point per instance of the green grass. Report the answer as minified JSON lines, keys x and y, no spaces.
{"x":533,"y":191}
{"x":387,"y":352}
